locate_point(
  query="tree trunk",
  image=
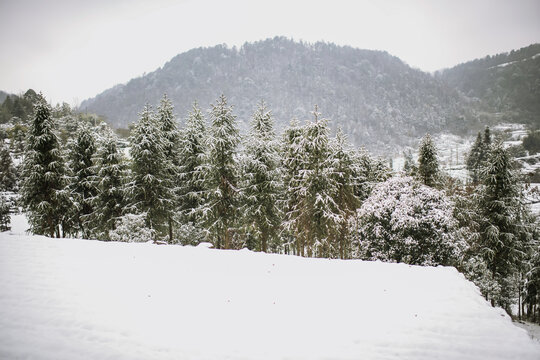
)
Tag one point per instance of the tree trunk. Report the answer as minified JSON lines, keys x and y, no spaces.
{"x":170,"y":230}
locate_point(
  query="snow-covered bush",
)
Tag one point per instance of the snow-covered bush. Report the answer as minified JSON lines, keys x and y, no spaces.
{"x":405,"y":221}
{"x":132,"y":228}
{"x":189,"y":234}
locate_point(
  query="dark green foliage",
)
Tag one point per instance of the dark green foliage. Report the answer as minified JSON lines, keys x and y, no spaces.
{"x":478,"y":155}
{"x":43,"y":190}
{"x":5,"y":219}
{"x":262,"y":181}
{"x":8,"y":173}
{"x":219,"y":210}
{"x":82,"y":184}
{"x":504,"y":224}
{"x":18,"y":108}
{"x":150,"y":188}
{"x":428,"y":165}
{"x":531,"y":142}
{"x":109,"y":202}
{"x":192,"y":158}
{"x":507,"y":83}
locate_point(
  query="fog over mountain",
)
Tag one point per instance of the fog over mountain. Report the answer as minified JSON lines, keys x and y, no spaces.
{"x":377,"y":99}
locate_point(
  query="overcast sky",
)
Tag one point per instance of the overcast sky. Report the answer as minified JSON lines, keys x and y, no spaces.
{"x":72,"y":50}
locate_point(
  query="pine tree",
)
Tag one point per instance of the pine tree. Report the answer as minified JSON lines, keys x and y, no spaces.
{"x":317,"y":216}
{"x":292,"y":161}
{"x":5,"y":219}
{"x":42,"y":190}
{"x":478,"y":155}
{"x":171,"y":141}
{"x":409,"y":166}
{"x":345,"y":175}
{"x":109,"y":202}
{"x":428,"y":165}
{"x":192,"y":158}
{"x":82,"y":187}
{"x":220,"y":175}
{"x":150,"y":189}
{"x":8,"y":173}
{"x":504,"y":227}
{"x":262,"y":187}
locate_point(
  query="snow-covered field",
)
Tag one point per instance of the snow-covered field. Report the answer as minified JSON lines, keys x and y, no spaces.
{"x":77,"y":299}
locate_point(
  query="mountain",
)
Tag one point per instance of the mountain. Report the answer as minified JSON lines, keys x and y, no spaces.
{"x":376,"y":98}
{"x":3,"y":96}
{"x":507,"y":83}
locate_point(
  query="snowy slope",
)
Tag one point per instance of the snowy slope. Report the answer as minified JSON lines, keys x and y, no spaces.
{"x":77,"y":299}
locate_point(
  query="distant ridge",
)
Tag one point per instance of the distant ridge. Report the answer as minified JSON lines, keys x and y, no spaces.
{"x":378,"y":100}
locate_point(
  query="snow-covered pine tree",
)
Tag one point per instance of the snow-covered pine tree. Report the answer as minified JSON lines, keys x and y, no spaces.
{"x":262,"y":180}
{"x":345,"y":175}
{"x":291,"y":163}
{"x":478,"y":155}
{"x":428,"y":165}
{"x":192,"y":159}
{"x":504,"y":227}
{"x":317,"y":215}
{"x":81,"y":154}
{"x":171,"y":139}
{"x":42,"y":191}
{"x":149,"y":189}
{"x":409,"y":167}
{"x":5,"y":219}
{"x":220,"y":209}
{"x":8,"y":173}
{"x":109,"y":202}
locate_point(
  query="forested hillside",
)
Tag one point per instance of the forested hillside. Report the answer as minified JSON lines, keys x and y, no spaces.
{"x":375,"y":97}
{"x":507,"y":83}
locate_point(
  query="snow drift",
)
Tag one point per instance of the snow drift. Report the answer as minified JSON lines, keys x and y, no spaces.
{"x":77,"y":299}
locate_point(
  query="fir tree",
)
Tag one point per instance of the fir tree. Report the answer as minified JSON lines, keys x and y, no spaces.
{"x":192,"y":159}
{"x":504,"y":227}
{"x":5,"y":219}
{"x":262,"y":186}
{"x":428,"y":165}
{"x":292,"y":161}
{"x":316,"y":216}
{"x":109,"y":202}
{"x":409,"y":166}
{"x":220,"y":175}
{"x":345,"y":175}
{"x":82,"y":187}
{"x":8,"y":173}
{"x":150,"y":189}
{"x":171,"y":141}
{"x":42,"y":190}
{"x":478,"y":155}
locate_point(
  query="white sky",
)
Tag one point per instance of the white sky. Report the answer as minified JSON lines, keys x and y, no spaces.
{"x":72,"y":49}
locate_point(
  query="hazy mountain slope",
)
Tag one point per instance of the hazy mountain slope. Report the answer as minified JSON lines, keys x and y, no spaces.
{"x":375,"y":97}
{"x":508,"y":82}
{"x":3,"y":96}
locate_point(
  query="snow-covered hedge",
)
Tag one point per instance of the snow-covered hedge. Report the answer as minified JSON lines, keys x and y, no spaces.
{"x":132,"y":228}
{"x":405,"y":221}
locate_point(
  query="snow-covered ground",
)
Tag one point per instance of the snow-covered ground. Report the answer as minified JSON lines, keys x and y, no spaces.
{"x":81,"y":299}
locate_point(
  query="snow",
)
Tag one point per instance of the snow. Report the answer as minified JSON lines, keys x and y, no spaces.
{"x":85,"y":299}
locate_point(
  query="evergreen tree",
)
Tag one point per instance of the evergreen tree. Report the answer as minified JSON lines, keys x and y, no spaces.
{"x":504,"y":225}
{"x":192,"y":159}
{"x":171,"y":141}
{"x":109,"y":202}
{"x":5,"y":219}
{"x":345,"y":175}
{"x":82,"y":187}
{"x":409,"y":166}
{"x":262,"y":187}
{"x":42,"y":190}
{"x":220,"y":175}
{"x":150,"y":189}
{"x":8,"y":173}
{"x":428,"y":165}
{"x":316,"y":216}
{"x":292,"y":161}
{"x":478,"y":155}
